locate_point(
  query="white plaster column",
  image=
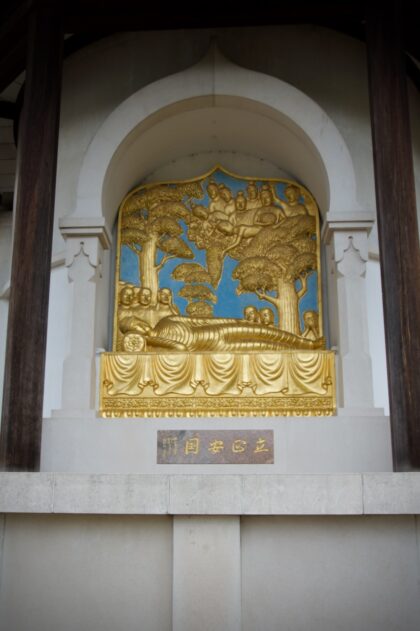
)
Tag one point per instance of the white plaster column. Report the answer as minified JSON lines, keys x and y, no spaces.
{"x":206,"y":574}
{"x":346,"y":238}
{"x":86,"y":239}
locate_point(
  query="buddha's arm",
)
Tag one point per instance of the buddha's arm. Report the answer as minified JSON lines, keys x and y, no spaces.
{"x":162,"y":342}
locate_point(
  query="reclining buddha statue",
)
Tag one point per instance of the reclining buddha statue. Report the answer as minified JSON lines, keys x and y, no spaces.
{"x":189,"y":334}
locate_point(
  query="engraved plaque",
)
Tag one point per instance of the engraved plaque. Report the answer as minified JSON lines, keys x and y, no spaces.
{"x":215,"y":447}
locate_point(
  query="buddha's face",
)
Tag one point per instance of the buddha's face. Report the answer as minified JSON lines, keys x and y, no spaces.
{"x":164,"y":296}
{"x":145,"y":296}
{"x":126,"y":296}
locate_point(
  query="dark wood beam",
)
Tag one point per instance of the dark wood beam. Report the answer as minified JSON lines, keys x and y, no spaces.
{"x":20,"y":440}
{"x":12,"y":64}
{"x":7,"y":110}
{"x":13,"y":29}
{"x":398,"y":229}
{"x":128,"y":15}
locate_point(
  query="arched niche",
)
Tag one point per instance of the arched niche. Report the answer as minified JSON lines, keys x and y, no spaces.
{"x":173,"y":126}
{"x":214,"y":107}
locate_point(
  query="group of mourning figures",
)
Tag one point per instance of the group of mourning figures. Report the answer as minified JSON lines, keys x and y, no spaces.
{"x":244,"y":215}
{"x":142,"y":326}
{"x":223,"y":205}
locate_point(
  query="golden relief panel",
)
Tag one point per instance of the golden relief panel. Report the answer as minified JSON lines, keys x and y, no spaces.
{"x":218,"y":307}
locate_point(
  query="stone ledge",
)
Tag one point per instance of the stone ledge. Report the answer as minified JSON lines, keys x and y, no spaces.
{"x":135,"y":494}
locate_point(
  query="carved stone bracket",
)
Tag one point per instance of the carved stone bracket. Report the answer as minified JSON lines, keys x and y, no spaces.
{"x":92,"y":235}
{"x":353,"y":260}
{"x":346,"y":238}
{"x":81,"y":269}
{"x":339,"y":228}
{"x":86,"y":239}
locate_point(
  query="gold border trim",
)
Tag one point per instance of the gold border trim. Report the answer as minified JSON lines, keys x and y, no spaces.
{"x":198,"y":407}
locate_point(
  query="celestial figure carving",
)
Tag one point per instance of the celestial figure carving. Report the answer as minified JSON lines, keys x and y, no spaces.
{"x":240,"y":202}
{"x":293,"y":206}
{"x":229,"y":203}
{"x":253,"y":200}
{"x":217,"y":204}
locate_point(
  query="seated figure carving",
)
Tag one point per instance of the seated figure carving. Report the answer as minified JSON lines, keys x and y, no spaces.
{"x":267,"y":316}
{"x":310,"y":320}
{"x":251,"y":314}
{"x":137,"y":315}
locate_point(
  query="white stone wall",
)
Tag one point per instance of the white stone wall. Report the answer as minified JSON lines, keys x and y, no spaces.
{"x":86,"y":573}
{"x":58,"y":336}
{"x":329,"y":574}
{"x":344,"y":443}
{"x":377,"y":334}
{"x":102,"y":573}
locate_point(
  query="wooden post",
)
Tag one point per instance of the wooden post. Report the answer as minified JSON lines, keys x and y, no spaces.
{"x":20,"y":442}
{"x":398,"y":229}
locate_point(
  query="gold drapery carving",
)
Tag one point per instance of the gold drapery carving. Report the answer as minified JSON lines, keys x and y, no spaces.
{"x":167,"y":384}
